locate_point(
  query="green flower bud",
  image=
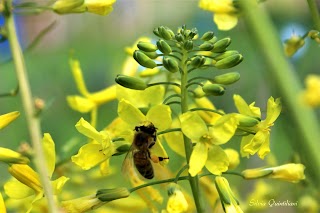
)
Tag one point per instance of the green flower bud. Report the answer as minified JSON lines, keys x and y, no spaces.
{"x":143,"y":59}
{"x":147,"y":47}
{"x":170,"y":64}
{"x":206,"y":46}
{"x":213,"y":40}
{"x":106,"y":195}
{"x":207,"y":36}
{"x":164,"y":33}
{"x":229,"y":61}
{"x":156,"y":32}
{"x":179,"y":37}
{"x":225,"y":54}
{"x":228,"y":78}
{"x":221,"y":45}
{"x":188,"y":45}
{"x":198,"y":61}
{"x":164,"y":47}
{"x":131,"y":82}
{"x":151,"y":55}
{"x":66,"y":6}
{"x":124,"y":148}
{"x":246,"y":121}
{"x":213,"y":89}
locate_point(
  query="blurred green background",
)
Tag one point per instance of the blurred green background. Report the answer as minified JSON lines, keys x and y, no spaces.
{"x":99,"y":42}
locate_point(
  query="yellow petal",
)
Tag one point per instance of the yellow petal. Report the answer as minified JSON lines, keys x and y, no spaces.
{"x":58,"y":184}
{"x":49,"y":151}
{"x":10,"y":156}
{"x":289,"y":172}
{"x":100,"y":7}
{"x":225,"y":21}
{"x":217,"y":6}
{"x":265,"y":147}
{"x":77,"y":75}
{"x":86,"y":129}
{"x":273,"y":110}
{"x":2,"y":206}
{"x":233,"y":157}
{"x":6,"y":119}
{"x":130,"y":114}
{"x":89,"y":156}
{"x":223,"y":129}
{"x":217,"y":161}
{"x":175,"y":142}
{"x":193,"y":126}
{"x":80,"y":104}
{"x":244,"y":141}
{"x":104,"y":96}
{"x":244,"y":108}
{"x":254,"y":145}
{"x":177,"y":202}
{"x":130,"y":66}
{"x":17,"y":190}
{"x":160,"y":116}
{"x":198,"y":158}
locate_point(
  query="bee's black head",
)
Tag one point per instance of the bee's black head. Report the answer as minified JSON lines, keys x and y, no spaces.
{"x":147,"y":128}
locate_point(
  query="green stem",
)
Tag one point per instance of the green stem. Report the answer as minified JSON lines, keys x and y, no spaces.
{"x":194,"y":181}
{"x":288,"y":84}
{"x":314,"y":13}
{"x":164,"y":83}
{"x":169,"y":130}
{"x":27,"y":101}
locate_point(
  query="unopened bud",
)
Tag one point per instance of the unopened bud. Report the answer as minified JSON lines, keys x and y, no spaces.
{"x":156,"y":32}
{"x":147,"y":47}
{"x":206,"y":46}
{"x":229,"y":61}
{"x":164,"y":33}
{"x":213,"y":89}
{"x":225,"y":54}
{"x":164,"y":47}
{"x":123,"y":149}
{"x":66,"y":6}
{"x":143,"y":59}
{"x":188,"y":45}
{"x":179,"y":37}
{"x":221,"y":45}
{"x":207,"y":36}
{"x":11,"y":157}
{"x":198,"y":61}
{"x":106,"y":195}
{"x":226,"y":79}
{"x":151,"y":55}
{"x":247,"y":121}
{"x":131,"y":82}
{"x":170,"y":64}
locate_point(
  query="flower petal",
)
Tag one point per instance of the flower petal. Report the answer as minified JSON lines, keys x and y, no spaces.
{"x":17,"y":190}
{"x":100,"y":7}
{"x":225,"y":21}
{"x":273,"y":110}
{"x":6,"y":119}
{"x":58,"y":184}
{"x":104,"y":96}
{"x":85,"y":128}
{"x":80,"y":104}
{"x":244,"y":108}
{"x":217,"y":161}
{"x":193,"y":126}
{"x":49,"y":151}
{"x":223,"y":129}
{"x":89,"y":156}
{"x":198,"y":158}
{"x":265,"y":147}
{"x":130,"y":114}
{"x":78,"y":77}
{"x":2,"y":206}
{"x":160,"y":116}
{"x":255,"y":144}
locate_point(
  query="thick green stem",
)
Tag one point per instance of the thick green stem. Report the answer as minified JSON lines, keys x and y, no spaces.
{"x":194,"y":181}
{"x":314,"y":13}
{"x":27,"y":101}
{"x":268,"y":42}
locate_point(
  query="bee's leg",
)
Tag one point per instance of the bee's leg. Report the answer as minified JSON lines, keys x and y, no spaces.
{"x":151,"y":144}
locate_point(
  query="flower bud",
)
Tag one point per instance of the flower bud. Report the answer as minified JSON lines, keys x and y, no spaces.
{"x":179,"y":37}
{"x":66,"y":6}
{"x":147,"y":47}
{"x":213,"y":89}
{"x":176,"y":202}
{"x":170,"y":64}
{"x":124,"y":148}
{"x":198,"y":61}
{"x":247,"y":121}
{"x":206,"y":46}
{"x":156,"y":31}
{"x":226,"y":79}
{"x":229,"y":61}
{"x":164,"y":47}
{"x":207,"y":36}
{"x":10,"y":156}
{"x":131,"y":82}
{"x":165,"y":33}
{"x":188,"y":45}
{"x":221,"y":45}
{"x":151,"y":55}
{"x":225,"y":54}
{"x":143,"y":59}
{"x":106,"y":195}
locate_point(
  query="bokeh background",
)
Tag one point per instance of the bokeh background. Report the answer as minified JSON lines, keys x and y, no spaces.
{"x":99,"y":43}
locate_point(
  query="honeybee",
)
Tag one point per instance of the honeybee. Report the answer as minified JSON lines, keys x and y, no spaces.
{"x":145,"y":138}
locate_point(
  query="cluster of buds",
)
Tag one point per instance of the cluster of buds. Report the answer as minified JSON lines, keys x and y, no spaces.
{"x":184,"y":52}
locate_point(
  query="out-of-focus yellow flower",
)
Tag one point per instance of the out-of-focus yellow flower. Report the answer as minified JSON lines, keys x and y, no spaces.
{"x":207,"y":151}
{"x":263,"y":192}
{"x":82,"y":204}
{"x":288,"y":172}
{"x":225,"y":14}
{"x":311,"y":95}
{"x":308,"y":204}
{"x":233,"y":156}
{"x":228,"y":199}
{"x":293,"y":44}
{"x":177,"y":203}
{"x":10,"y":156}
{"x":6,"y":119}
{"x":27,"y":182}
{"x":2,"y":206}
{"x":100,"y":7}
{"x":260,"y":141}
{"x":209,"y":190}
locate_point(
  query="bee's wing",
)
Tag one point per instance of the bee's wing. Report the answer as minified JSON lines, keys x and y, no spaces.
{"x":127,"y":164}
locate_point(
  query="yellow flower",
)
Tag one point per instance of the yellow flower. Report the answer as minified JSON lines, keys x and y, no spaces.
{"x":177,"y":203}
{"x":311,"y":95}
{"x":98,"y":151}
{"x":2,"y":206}
{"x":233,"y":156}
{"x":10,"y":156}
{"x":206,"y":152}
{"x":288,"y":172}
{"x":100,"y":7}
{"x":293,"y":44}
{"x":228,"y":200}
{"x":27,"y":182}
{"x":6,"y":119}
{"x":225,"y":14}
{"x":260,"y":141}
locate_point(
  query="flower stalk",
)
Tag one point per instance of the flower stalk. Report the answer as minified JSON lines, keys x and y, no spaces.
{"x":27,"y":101}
